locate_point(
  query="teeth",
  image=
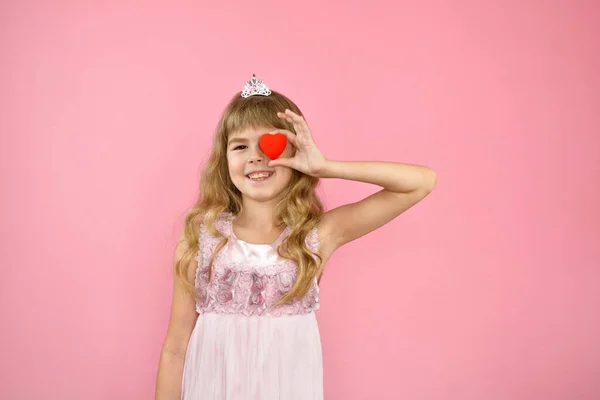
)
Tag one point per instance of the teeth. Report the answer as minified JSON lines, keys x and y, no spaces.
{"x":259,"y":175}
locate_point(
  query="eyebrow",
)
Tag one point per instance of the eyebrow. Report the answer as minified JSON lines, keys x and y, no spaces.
{"x":235,"y":140}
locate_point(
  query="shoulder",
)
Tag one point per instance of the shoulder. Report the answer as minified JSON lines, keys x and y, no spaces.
{"x":221,"y":225}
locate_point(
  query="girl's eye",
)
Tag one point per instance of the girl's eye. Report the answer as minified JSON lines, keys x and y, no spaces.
{"x":239,"y":147}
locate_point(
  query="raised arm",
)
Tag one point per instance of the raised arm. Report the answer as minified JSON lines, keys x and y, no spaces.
{"x":404,"y":185}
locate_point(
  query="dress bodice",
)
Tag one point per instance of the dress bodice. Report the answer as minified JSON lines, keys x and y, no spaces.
{"x":248,"y":279}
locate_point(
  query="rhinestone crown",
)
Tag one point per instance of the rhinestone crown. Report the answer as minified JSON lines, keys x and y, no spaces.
{"x":255,"y":87}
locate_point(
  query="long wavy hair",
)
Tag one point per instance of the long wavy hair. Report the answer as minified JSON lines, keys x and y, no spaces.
{"x":300,"y":208}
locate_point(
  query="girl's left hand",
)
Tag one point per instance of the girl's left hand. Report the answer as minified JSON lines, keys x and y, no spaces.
{"x":308,"y":158}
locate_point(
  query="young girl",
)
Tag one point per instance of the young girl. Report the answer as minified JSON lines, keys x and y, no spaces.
{"x":242,"y":322}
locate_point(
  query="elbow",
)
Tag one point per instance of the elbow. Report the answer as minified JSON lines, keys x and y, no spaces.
{"x":429,"y":181}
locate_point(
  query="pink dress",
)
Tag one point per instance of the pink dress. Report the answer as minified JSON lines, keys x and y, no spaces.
{"x":242,"y":347}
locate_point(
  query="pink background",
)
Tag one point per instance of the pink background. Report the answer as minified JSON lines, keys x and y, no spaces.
{"x":487,"y":290}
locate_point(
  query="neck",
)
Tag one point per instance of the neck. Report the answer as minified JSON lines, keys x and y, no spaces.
{"x":258,"y":214}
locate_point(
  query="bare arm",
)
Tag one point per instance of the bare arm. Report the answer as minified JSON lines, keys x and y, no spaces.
{"x":181,"y":324}
{"x":404,"y":185}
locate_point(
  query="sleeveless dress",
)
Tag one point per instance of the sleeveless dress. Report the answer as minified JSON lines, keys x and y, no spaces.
{"x":242,"y":347}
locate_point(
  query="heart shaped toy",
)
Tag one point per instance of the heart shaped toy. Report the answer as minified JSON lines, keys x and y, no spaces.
{"x":272,"y":145}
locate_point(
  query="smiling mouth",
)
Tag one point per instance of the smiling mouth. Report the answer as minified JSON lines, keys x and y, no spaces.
{"x":259,"y":176}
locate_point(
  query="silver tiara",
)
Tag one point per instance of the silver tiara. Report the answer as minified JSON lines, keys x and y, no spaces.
{"x":255,"y":87}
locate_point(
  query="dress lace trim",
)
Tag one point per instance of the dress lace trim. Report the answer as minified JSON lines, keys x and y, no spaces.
{"x":241,"y":288}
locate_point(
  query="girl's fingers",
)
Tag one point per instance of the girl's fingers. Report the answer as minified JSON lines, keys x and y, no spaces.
{"x":297,"y":121}
{"x":294,"y":116}
{"x":284,"y":162}
{"x":286,"y":117}
{"x":291,"y":137}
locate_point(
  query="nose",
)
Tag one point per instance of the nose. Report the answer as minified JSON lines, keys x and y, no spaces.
{"x":254,"y":160}
{"x":256,"y":157}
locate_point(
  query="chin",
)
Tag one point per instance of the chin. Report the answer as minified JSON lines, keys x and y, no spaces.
{"x":261,"y":197}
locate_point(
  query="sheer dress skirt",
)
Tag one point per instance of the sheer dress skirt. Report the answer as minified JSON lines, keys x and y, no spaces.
{"x":231,"y":356}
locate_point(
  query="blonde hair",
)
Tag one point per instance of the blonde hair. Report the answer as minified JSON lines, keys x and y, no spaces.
{"x":300,"y":208}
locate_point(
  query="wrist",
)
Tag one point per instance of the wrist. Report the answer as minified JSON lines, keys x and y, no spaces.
{"x":325,"y":170}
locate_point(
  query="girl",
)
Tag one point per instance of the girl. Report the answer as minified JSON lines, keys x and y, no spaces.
{"x":242,"y":322}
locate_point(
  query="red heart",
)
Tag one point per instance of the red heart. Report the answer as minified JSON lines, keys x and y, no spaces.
{"x":273,"y":145}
